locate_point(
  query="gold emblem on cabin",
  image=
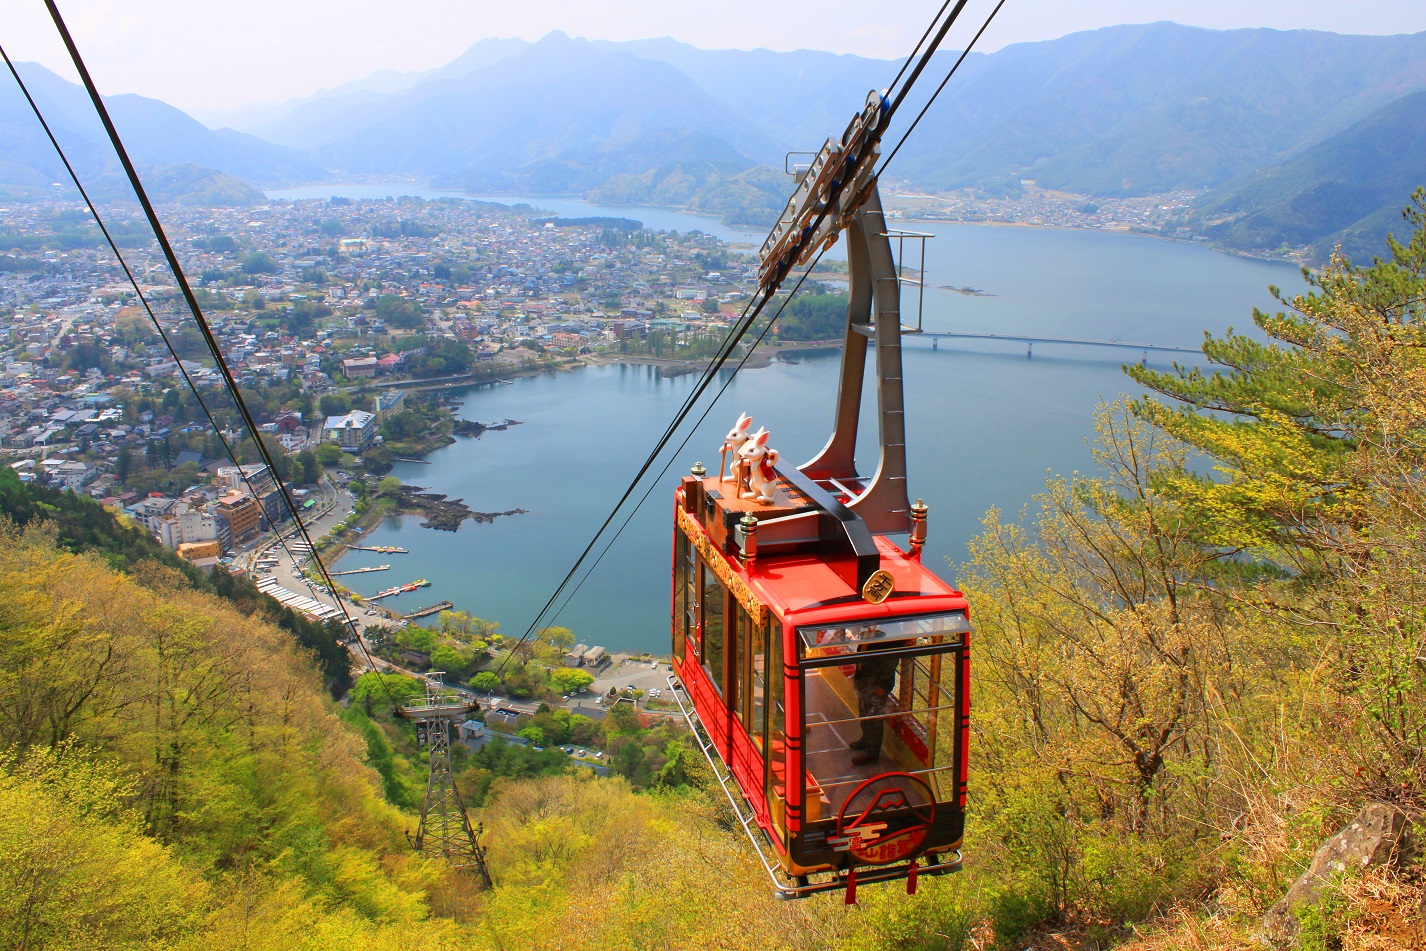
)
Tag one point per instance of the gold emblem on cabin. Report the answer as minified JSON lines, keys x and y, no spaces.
{"x":879,"y":586}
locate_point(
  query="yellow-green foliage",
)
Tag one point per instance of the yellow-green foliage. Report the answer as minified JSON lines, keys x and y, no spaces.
{"x":1185,"y":680}
{"x":586,"y":863}
{"x":176,"y":778}
{"x":172,"y":762}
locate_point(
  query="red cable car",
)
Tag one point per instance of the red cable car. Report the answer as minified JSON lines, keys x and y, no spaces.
{"x":823,"y":668}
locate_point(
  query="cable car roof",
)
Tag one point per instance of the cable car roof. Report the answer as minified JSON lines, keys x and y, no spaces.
{"x":805,"y":586}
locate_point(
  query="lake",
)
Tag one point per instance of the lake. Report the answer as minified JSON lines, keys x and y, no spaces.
{"x":985,"y":425}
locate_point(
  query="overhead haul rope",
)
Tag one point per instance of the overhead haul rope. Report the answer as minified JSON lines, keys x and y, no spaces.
{"x":891,"y":102}
{"x":951,"y":72}
{"x":690,"y":433}
{"x":919,"y":43}
{"x":768,"y":326}
{"x":231,"y":384}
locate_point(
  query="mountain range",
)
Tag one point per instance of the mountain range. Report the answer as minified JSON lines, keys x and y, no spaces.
{"x":1292,"y":136}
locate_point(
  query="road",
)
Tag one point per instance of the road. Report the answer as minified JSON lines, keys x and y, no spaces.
{"x":335,"y":504}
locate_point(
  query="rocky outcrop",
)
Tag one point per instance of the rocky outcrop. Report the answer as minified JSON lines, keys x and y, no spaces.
{"x":441,"y":513}
{"x":471,"y":427}
{"x":1375,"y":837}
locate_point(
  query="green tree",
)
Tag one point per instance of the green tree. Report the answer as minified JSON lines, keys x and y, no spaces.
{"x":450,"y":659}
{"x":1318,"y":437}
{"x":466,"y":626}
{"x":74,"y":867}
{"x":815,"y":317}
{"x":561,"y":638}
{"x":259,"y":263}
{"x":309,"y":467}
{"x":486,"y":680}
{"x":399,"y":312}
{"x":568,"y":680}
{"x":374,"y":688}
{"x":334,"y":404}
{"x":329,"y":454}
{"x":622,"y":719}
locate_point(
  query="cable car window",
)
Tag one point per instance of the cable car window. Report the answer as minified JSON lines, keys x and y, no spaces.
{"x":881,"y":700}
{"x":934,"y":629}
{"x":755,"y":677}
{"x":776,"y":732}
{"x":685,"y":595}
{"x":712,"y":641}
{"x":682,"y":572}
{"x":691,"y":599}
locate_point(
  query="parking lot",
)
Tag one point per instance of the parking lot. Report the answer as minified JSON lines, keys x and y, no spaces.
{"x":641,"y":675}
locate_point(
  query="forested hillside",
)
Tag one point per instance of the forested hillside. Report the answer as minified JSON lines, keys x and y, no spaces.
{"x":1343,"y":191}
{"x":174,"y":776}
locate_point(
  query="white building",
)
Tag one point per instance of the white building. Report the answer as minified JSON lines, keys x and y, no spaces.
{"x":354,"y":431}
{"x":189,"y":525}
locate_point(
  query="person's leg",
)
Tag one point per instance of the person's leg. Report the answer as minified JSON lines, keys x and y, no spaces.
{"x":866,"y":697}
{"x":873,"y":731}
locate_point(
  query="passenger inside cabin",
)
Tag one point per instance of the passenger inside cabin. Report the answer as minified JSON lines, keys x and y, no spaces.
{"x":874,"y":681}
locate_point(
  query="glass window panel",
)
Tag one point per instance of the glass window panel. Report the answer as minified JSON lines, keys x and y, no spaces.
{"x":712,"y":597}
{"x":680,"y":593}
{"x":691,"y":604}
{"x":879,"y":714}
{"x":932,"y":629}
{"x":757,"y":680}
{"x":776,"y":732}
{"x":738,"y":689}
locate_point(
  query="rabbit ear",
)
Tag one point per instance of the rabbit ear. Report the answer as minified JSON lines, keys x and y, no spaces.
{"x":745,"y":422}
{"x":762,"y":437}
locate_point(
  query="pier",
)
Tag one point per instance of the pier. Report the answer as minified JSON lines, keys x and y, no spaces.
{"x":381,"y":549}
{"x":436,"y":608}
{"x":394,"y":590}
{"x":359,"y":571}
{"x":1029,"y":342}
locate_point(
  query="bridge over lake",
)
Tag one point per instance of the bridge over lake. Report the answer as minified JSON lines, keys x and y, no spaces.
{"x":937,"y":335}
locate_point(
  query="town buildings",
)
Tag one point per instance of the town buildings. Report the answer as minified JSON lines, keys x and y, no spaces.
{"x":346,"y":304}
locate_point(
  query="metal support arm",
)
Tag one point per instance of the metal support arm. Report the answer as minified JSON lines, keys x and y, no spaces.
{"x":873,"y":314}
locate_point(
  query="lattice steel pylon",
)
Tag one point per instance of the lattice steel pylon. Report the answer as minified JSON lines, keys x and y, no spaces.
{"x":444,"y":826}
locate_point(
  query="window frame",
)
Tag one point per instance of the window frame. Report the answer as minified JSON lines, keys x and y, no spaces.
{"x":713,"y":654}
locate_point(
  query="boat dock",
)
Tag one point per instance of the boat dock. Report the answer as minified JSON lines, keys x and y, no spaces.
{"x":359,"y":571}
{"x":398,"y":589}
{"x":436,"y":608}
{"x":382,"y":549}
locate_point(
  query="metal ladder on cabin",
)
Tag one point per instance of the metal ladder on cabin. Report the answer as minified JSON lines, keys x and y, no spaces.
{"x":746,"y":816}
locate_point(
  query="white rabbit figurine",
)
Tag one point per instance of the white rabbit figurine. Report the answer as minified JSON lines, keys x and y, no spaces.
{"x":731,"y":444}
{"x":758,"y":460}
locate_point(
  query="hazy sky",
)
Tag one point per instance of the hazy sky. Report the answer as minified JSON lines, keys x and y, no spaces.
{"x":219,"y":54}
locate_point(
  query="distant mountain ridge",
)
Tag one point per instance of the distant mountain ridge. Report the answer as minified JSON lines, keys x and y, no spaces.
{"x":1121,"y":111}
{"x":1346,"y":190}
{"x":155,"y":134}
{"x":558,"y":113}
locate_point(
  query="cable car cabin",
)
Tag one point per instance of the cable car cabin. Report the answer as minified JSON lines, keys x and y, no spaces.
{"x":829,"y":669}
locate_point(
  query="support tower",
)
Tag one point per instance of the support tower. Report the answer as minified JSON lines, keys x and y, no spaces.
{"x":444,"y":826}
